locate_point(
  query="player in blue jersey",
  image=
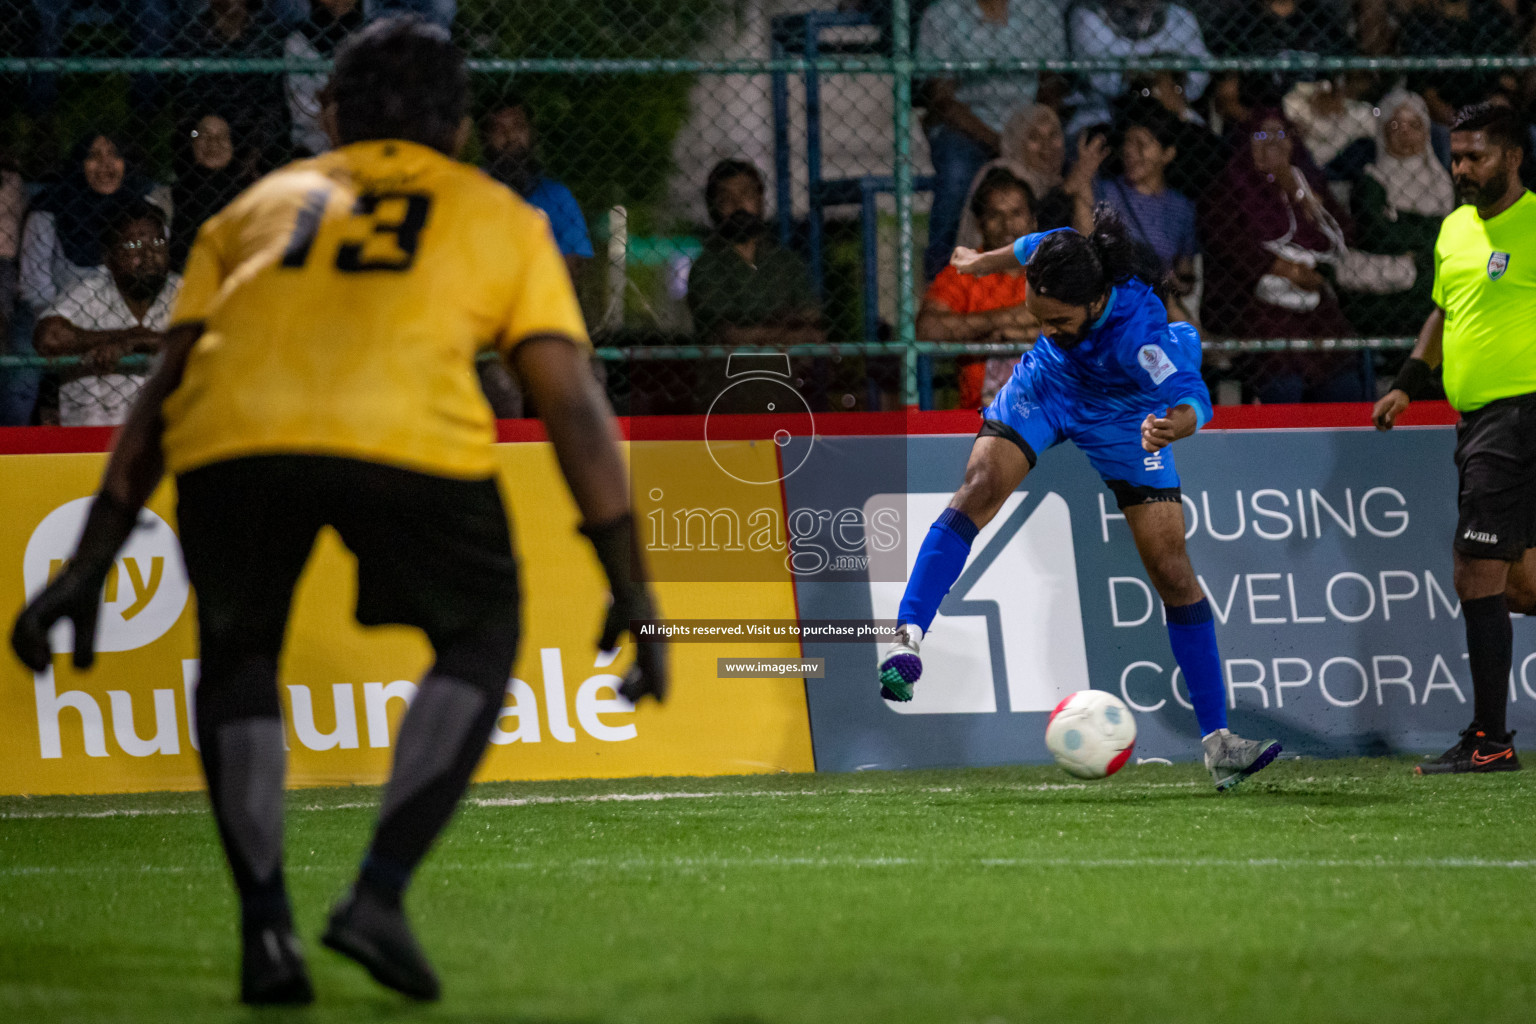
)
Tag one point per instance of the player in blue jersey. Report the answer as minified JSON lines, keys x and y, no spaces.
{"x":1111,"y":374}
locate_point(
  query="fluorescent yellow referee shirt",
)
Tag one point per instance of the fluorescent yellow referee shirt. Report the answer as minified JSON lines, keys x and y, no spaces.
{"x":1485,"y":280}
{"x":345,"y":299}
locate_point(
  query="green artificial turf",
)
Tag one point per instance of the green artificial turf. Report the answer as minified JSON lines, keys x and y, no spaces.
{"x":1320,"y":891}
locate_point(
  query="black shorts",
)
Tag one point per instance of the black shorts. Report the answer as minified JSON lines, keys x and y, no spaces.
{"x":432,"y":552}
{"x":1496,"y":475}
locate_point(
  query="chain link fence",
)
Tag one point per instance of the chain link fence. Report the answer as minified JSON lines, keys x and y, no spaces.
{"x":788,"y":175}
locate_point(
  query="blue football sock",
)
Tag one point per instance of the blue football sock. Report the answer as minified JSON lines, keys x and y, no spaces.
{"x":1192,"y":635}
{"x":939,"y":563}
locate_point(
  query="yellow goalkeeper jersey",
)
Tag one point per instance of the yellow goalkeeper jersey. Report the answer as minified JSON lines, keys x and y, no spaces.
{"x":344,"y":300}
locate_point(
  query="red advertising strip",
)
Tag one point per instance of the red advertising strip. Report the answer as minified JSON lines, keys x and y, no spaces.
{"x":1327,"y":416}
{"x":55,"y":440}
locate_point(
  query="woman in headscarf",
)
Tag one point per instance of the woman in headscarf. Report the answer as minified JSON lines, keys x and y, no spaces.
{"x":1398,"y":204}
{"x":211,"y":169}
{"x":62,"y":238}
{"x":1268,"y":225}
{"x":1034,"y":149}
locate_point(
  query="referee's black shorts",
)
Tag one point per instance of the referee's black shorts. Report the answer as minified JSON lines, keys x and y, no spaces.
{"x":1496,"y":475}
{"x":432,"y":552}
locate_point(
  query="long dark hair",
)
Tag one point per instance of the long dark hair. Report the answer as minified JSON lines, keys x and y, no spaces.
{"x":80,"y":213}
{"x":1079,"y":269}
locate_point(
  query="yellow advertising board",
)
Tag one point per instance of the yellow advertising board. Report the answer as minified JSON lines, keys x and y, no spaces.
{"x":125,"y":725}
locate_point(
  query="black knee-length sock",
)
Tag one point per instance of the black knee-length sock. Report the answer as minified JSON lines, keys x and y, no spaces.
{"x":1490,"y":646}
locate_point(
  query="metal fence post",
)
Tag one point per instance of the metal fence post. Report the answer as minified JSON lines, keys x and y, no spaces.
{"x":906,"y":333}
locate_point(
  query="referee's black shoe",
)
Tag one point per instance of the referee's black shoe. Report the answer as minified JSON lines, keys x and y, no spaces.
{"x":376,"y":935}
{"x":272,"y":971}
{"x":1475,"y":752}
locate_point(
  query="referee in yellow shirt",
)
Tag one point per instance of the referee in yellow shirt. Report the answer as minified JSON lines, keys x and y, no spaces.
{"x":320,"y":371}
{"x":1483,"y":330}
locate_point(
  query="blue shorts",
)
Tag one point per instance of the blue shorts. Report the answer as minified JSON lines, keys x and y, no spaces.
{"x":1032,"y":412}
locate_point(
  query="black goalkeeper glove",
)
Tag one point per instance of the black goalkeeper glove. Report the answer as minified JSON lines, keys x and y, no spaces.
{"x":615,"y":544}
{"x":75,"y":593}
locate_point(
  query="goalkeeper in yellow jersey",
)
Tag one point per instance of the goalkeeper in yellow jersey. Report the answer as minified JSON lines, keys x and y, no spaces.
{"x":320,"y":371}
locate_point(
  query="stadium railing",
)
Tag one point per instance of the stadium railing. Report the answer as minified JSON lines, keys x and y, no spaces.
{"x":633,"y":103}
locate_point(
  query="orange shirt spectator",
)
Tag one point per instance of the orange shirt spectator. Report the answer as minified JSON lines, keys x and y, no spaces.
{"x":989,"y":308}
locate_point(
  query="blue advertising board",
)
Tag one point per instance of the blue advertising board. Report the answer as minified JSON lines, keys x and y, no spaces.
{"x":1326,"y":556}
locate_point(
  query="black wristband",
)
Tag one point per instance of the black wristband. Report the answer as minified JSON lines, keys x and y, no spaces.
{"x":615,"y":545}
{"x":107,"y":529}
{"x":1413,"y":378}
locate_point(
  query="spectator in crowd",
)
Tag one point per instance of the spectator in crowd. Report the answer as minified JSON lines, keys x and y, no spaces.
{"x":1398,"y":205}
{"x":1281,"y":28}
{"x":1446,"y":28}
{"x":966,"y":113}
{"x":1268,"y":28}
{"x":512,"y":158}
{"x":13,"y":206}
{"x":1201,"y":152}
{"x":253,"y":104}
{"x":111,"y":313}
{"x":81,"y":28}
{"x":1093,"y":149}
{"x":1229,"y":102}
{"x":62,"y":238}
{"x":511,"y":152}
{"x":209,"y":173}
{"x":1158,"y":217}
{"x":316,"y":38}
{"x":744,"y":289}
{"x":1171,"y":89}
{"x":1033,"y":149}
{"x":1111,"y":29}
{"x":1267,"y":227}
{"x":990,"y":307}
{"x":1328,"y":118}
{"x":441,"y":12}
{"x":1450,"y":28}
{"x":18,"y":388}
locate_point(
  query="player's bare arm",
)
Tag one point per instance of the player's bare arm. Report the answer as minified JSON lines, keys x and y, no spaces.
{"x":1424,"y":358}
{"x":585,"y":437}
{"x":137,"y":462}
{"x":1177,"y":423}
{"x":583,"y":432}
{"x":980,"y":264}
{"x":135,"y":469}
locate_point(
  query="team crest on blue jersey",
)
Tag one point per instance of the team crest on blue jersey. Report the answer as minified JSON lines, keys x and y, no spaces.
{"x":1497,"y":264}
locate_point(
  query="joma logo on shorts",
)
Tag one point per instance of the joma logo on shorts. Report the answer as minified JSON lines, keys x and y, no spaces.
{"x":1481,"y":538}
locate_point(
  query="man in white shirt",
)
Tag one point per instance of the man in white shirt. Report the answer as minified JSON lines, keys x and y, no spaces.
{"x":1129,"y":28}
{"x":112,"y":312}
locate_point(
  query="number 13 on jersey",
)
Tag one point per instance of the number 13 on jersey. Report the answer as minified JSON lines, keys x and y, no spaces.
{"x":387,"y":242}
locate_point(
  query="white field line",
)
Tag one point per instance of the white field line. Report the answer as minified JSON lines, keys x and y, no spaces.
{"x":599,"y":798}
{"x":689,"y":865}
